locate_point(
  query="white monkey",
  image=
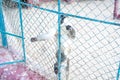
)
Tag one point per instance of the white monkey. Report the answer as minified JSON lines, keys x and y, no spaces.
{"x":67,"y":35}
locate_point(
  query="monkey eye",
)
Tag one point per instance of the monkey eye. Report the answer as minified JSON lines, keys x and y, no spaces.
{"x":68,"y":27}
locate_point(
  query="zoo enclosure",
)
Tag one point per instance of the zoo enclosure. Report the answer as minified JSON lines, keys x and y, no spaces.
{"x":97,"y":42}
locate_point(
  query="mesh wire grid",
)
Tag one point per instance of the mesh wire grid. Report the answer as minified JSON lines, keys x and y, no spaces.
{"x":41,"y":55}
{"x":95,"y":50}
{"x":12,"y":30}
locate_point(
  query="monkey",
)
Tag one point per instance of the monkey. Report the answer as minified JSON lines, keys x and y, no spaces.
{"x":68,"y":35}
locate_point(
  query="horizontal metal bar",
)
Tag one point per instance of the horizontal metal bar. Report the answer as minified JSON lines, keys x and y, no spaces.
{"x":12,"y":34}
{"x":94,"y":20}
{"x":38,"y":7}
{"x":13,"y":62}
{"x":76,"y":16}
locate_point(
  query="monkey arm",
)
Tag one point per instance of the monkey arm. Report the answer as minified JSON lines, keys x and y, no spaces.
{"x":46,"y":36}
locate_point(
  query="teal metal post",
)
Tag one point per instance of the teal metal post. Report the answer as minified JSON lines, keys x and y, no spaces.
{"x":21,"y":26}
{"x":59,"y":41}
{"x":118,"y":73}
{"x":2,"y":27}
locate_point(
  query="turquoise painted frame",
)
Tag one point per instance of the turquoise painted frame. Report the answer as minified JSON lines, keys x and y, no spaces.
{"x":21,"y":26}
{"x":59,"y":41}
{"x":118,"y":73}
{"x":71,"y":15}
{"x":4,"y":34}
{"x":58,"y":12}
{"x":2,"y":27}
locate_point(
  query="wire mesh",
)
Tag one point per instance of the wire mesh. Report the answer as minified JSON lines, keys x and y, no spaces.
{"x":93,"y":55}
{"x":94,"y":52}
{"x":12,"y":31}
{"x":40,"y":55}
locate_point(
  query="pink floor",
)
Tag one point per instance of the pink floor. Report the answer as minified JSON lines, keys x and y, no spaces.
{"x":15,"y":71}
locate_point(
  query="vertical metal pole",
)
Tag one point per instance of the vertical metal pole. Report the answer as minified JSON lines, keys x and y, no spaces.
{"x":115,"y":9}
{"x":59,"y":42}
{"x":21,"y":26}
{"x":118,"y":73}
{"x":115,"y":14}
{"x":118,"y":6}
{"x":2,"y":27}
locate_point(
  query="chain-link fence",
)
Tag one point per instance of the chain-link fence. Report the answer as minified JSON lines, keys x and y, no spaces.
{"x":94,"y":52}
{"x":11,"y":30}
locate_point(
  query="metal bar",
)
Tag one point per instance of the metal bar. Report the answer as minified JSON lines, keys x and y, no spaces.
{"x":72,"y":15}
{"x":2,"y":27}
{"x":92,"y":19}
{"x":59,"y":42}
{"x":6,"y":63}
{"x":31,"y":5}
{"x":21,"y":26}
{"x":118,"y":73}
{"x":116,"y":15}
{"x":7,"y":33}
{"x":115,"y":9}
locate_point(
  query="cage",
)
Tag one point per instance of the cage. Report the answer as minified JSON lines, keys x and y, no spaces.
{"x":93,"y":54}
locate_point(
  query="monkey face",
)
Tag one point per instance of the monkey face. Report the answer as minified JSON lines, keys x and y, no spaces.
{"x":70,"y":31}
{"x":67,"y":27}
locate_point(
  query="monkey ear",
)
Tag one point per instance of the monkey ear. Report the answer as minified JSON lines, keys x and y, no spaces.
{"x":62,"y":17}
